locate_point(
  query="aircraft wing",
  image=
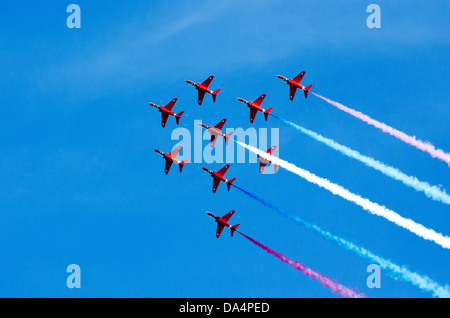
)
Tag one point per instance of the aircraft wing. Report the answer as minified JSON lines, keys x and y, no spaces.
{"x":201,"y":95}
{"x":168,"y":165}
{"x":216,"y":183}
{"x":223,"y":170}
{"x":220,"y":125}
{"x":227,"y":216}
{"x":219,"y":229}
{"x":170,"y":105}
{"x":213,"y":140}
{"x":259,"y":100}
{"x":271,"y":150}
{"x":262,"y":165}
{"x":208,"y":81}
{"x":164,"y":117}
{"x":292,"y":90}
{"x":176,"y":151}
{"x":299,"y":77}
{"x":252,"y":114}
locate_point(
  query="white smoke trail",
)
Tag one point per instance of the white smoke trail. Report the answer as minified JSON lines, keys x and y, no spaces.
{"x":433,"y":192}
{"x":366,"y":204}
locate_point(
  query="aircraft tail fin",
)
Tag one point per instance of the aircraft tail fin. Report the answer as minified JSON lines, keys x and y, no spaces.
{"x":233,"y":228}
{"x":275,"y":168}
{"x":214,"y":94}
{"x":182,"y":164}
{"x":229,"y":183}
{"x":227,"y":137}
{"x":307,"y":90}
{"x":178,"y":116}
{"x":266,"y":113}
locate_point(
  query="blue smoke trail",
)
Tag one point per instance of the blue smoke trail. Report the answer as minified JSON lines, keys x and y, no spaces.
{"x":432,"y":192}
{"x":394,"y":270}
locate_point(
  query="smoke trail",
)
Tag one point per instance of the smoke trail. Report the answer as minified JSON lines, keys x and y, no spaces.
{"x":324,"y":280}
{"x":433,"y":192}
{"x":411,"y":140}
{"x":366,"y":204}
{"x":394,"y":270}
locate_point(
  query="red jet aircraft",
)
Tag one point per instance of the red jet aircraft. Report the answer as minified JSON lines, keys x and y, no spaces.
{"x":166,"y":111}
{"x":222,"y":222}
{"x":263,"y":162}
{"x":255,"y":107}
{"x":216,"y":131}
{"x":294,"y":83}
{"x":171,"y":157}
{"x":218,"y":176}
{"x":203,"y":88}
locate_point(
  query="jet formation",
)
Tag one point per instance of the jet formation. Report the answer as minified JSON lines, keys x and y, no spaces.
{"x":216,"y":131}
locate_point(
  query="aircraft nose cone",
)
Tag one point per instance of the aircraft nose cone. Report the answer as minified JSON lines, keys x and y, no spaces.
{"x":280,"y":77}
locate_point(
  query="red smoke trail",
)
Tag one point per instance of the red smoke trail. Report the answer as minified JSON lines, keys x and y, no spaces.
{"x":411,"y":140}
{"x":324,"y":280}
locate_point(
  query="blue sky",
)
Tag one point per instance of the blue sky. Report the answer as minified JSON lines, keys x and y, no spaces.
{"x":80,"y":182}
